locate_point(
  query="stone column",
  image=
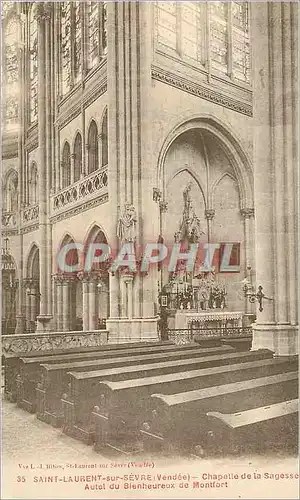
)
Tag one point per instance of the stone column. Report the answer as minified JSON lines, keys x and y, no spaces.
{"x":93,"y":316}
{"x":20,"y":316}
{"x":43,"y":112}
{"x":129,"y":61}
{"x":85,"y":305}
{"x":27,"y":305}
{"x":66,"y":305}
{"x":209,"y":215}
{"x":273,"y":180}
{"x":59,"y":307}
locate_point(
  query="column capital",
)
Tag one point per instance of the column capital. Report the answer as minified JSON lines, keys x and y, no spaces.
{"x":163,"y":206}
{"x":247,"y":213}
{"x":43,"y":12}
{"x":210,"y":213}
{"x":90,"y":277}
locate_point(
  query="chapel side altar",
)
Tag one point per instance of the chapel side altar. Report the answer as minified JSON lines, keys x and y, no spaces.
{"x":193,"y":320}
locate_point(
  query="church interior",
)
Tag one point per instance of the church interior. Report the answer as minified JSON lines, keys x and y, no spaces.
{"x":170,"y":123}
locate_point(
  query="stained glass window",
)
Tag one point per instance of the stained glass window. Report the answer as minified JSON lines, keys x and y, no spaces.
{"x":93,"y":30}
{"x":97,"y":32}
{"x":219,"y":35}
{"x":240,"y":41}
{"x":77,"y":40}
{"x":207,"y":31}
{"x":66,"y":69}
{"x":104,"y":28}
{"x":33,"y":65}
{"x":11,"y":70}
{"x":167,"y":24}
{"x":191,"y":30}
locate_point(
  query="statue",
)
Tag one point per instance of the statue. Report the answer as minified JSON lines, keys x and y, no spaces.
{"x":126,"y":227}
{"x":190,"y":227}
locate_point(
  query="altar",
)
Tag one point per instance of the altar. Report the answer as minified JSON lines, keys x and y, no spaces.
{"x":191,"y":320}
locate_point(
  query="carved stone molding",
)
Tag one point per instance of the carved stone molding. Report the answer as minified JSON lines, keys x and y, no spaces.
{"x":163,"y":206}
{"x":247,"y":213}
{"x":80,"y":208}
{"x":29,"y":229}
{"x":37,"y":342}
{"x":199,"y":90}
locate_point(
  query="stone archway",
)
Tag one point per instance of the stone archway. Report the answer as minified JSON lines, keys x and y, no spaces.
{"x":202,"y":154}
{"x":95,"y":285}
{"x":32,"y":289}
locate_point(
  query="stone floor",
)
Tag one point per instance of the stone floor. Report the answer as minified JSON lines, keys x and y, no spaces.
{"x":28,"y":442}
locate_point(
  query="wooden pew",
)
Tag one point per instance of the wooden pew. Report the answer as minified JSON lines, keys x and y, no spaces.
{"x":12,"y":361}
{"x":55,"y":378}
{"x":30,"y":368}
{"x":122,"y":406}
{"x":179,"y":421}
{"x":84,"y":387}
{"x":272,"y":426}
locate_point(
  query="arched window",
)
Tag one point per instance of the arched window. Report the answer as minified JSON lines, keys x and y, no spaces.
{"x":97,"y":32}
{"x":66,"y":166}
{"x":11,"y":192}
{"x":65,"y":19}
{"x":214,"y":35}
{"x":104,"y":139}
{"x":93,"y":162}
{"x":11,"y":69}
{"x":33,"y":184}
{"x":71,"y":20}
{"x":77,"y":157}
{"x":33,"y":64}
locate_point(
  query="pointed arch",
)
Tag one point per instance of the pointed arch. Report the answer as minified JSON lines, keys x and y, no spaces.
{"x":193,"y":175}
{"x":104,"y":138}
{"x":227,"y":140}
{"x":10,"y":191}
{"x":72,"y":256}
{"x":217,"y":182}
{"x":33,"y":262}
{"x":77,"y":156}
{"x":93,"y":157}
{"x":66,"y":165}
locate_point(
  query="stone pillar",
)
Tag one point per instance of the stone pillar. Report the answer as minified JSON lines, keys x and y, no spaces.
{"x":59,"y":296}
{"x":93,"y":313}
{"x":209,"y":215}
{"x":85,"y":305}
{"x":130,"y":173}
{"x":43,"y":19}
{"x":66,"y":305}
{"x":20,"y":316}
{"x":54,"y":301}
{"x":275,"y":326}
{"x":27,"y":306}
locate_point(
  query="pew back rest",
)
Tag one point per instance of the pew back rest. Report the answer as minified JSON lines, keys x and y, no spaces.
{"x":81,"y":375}
{"x":173,"y":400}
{"x":131,"y":384}
{"x":256,"y":415}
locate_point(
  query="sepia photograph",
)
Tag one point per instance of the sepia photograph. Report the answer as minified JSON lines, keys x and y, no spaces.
{"x":149,"y":250}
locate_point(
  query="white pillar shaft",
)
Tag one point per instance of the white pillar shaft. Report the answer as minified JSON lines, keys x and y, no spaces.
{"x":66,"y":306}
{"x":85,"y":306}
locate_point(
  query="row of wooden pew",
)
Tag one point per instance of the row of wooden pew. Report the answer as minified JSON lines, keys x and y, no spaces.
{"x":159,"y":397}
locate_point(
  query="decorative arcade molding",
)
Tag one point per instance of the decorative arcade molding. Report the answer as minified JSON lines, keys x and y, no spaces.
{"x":37,"y":342}
{"x":77,"y":194}
{"x":30,"y":214}
{"x":200,"y":90}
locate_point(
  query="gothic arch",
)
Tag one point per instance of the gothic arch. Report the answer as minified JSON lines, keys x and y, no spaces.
{"x":193,"y":174}
{"x":32,"y":262}
{"x":230,"y":145}
{"x":216,"y":183}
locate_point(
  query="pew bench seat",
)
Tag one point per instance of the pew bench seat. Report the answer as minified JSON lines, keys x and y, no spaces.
{"x":181,"y":419}
{"x":272,"y":426}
